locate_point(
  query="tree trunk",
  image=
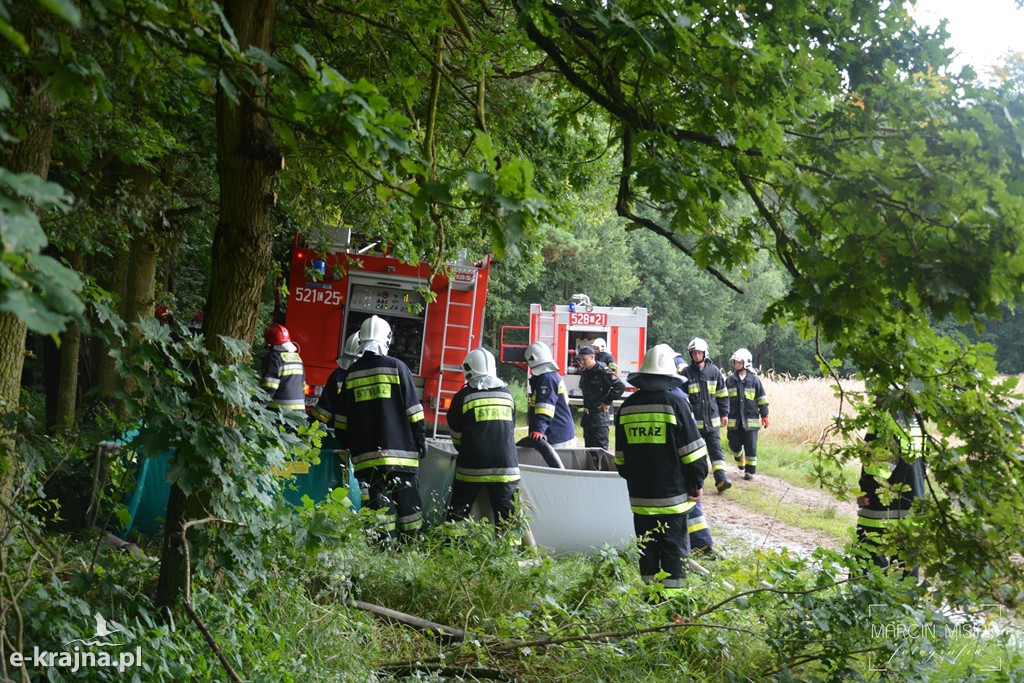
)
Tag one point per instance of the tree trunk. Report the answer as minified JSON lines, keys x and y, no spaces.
{"x":70,"y":347}
{"x":113,"y":276}
{"x":31,"y":154}
{"x":247,"y":161}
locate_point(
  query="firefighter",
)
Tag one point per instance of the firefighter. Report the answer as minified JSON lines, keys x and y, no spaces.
{"x":660,"y":454}
{"x":195,"y":325}
{"x":600,"y":386}
{"x":327,"y":405}
{"x":163,"y":314}
{"x":284,"y":378}
{"x":601,"y":354}
{"x":482,"y":422}
{"x":380,"y":422}
{"x":329,"y":397}
{"x":548,"y":413}
{"x":901,"y":474}
{"x":748,"y":411}
{"x":705,"y":387}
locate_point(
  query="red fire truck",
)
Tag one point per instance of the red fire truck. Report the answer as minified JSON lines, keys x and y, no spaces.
{"x":436,"y":319}
{"x":564,"y":328}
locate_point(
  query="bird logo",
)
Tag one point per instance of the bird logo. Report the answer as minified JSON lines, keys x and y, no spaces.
{"x":104,"y":629}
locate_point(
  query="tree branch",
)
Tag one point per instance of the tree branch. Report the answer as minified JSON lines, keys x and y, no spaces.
{"x":622,"y":202}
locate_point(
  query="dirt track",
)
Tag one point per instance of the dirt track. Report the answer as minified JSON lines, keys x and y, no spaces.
{"x":729,"y":519}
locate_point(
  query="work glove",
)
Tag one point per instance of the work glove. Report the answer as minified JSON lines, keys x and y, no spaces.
{"x":423,"y":450}
{"x":538,"y":436}
{"x":764,"y":422}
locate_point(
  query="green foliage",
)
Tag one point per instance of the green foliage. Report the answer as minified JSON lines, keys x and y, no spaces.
{"x":37,"y":288}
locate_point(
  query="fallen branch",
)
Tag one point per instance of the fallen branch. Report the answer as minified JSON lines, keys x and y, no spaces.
{"x":207,"y":636}
{"x":448,"y":632}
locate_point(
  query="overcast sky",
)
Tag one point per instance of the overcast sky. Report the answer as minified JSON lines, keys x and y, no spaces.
{"x":981,"y":31}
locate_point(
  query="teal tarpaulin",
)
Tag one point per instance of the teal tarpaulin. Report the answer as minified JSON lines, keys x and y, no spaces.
{"x":147,"y":502}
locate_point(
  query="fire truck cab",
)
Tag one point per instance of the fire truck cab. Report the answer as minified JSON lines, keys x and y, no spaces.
{"x":337,"y":280}
{"x":565,"y":328}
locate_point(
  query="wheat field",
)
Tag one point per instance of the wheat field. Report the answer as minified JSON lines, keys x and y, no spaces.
{"x":800,"y":410}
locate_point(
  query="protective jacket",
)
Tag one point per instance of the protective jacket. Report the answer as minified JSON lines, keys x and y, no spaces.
{"x":747,"y":401}
{"x":327,"y":404}
{"x":284,"y":379}
{"x":482,"y":425}
{"x":600,"y":385}
{"x":548,"y":408}
{"x":903,"y":475}
{"x":658,"y":450}
{"x":708,"y":395}
{"x":379,"y":416}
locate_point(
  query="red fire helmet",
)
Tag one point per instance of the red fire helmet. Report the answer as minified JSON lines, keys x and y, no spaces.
{"x":276,"y":334}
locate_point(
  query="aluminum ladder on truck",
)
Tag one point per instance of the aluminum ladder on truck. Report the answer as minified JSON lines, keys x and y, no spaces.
{"x":457,"y":338}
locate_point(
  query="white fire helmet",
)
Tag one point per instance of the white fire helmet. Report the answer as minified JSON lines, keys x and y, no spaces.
{"x":479,"y":363}
{"x":659,"y":360}
{"x":744,"y":356}
{"x":375,"y":329}
{"x":538,"y":357}
{"x":698,"y":344}
{"x":600,"y":344}
{"x":350,"y":352}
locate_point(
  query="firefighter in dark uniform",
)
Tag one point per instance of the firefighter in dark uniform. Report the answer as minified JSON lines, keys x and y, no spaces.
{"x":600,"y":386}
{"x":901,"y":475}
{"x":327,"y":405}
{"x":660,"y":454}
{"x":284,"y":377}
{"x":748,"y":411}
{"x":601,"y":354}
{"x":705,"y":387}
{"x":482,"y":423}
{"x":380,"y":423}
{"x":548,"y":415}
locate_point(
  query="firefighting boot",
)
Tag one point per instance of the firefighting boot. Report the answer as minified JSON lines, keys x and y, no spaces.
{"x":741,"y":462}
{"x":722,"y":483}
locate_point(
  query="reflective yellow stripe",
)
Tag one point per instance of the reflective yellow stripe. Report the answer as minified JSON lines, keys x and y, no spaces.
{"x":374,"y":379}
{"x":487,"y":478}
{"x":667,"y":510}
{"x":493,"y":401}
{"x":647,"y":417}
{"x":695,"y":456}
{"x":394,"y":462}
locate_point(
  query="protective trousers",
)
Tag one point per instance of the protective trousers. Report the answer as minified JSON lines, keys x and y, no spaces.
{"x":501,"y":494}
{"x":396,"y":498}
{"x":664,"y":545}
{"x":743,"y":444}
{"x":698,"y":531}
